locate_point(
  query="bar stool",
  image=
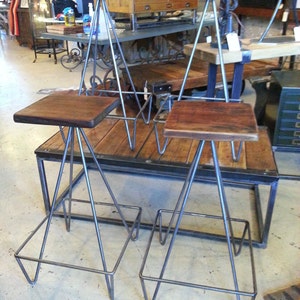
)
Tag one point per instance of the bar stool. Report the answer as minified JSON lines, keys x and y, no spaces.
{"x":205,"y":122}
{"x":77,"y":112}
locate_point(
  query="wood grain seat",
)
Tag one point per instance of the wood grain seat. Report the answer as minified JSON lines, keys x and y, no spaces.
{"x":67,"y":110}
{"x":214,"y":121}
{"x":172,"y":73}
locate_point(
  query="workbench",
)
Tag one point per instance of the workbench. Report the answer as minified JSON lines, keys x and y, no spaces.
{"x":167,"y":77}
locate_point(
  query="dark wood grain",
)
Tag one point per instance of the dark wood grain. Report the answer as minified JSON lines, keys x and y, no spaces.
{"x":173,"y":72}
{"x":67,"y":110}
{"x":217,"y":121}
{"x":256,"y":156}
{"x":109,"y":140}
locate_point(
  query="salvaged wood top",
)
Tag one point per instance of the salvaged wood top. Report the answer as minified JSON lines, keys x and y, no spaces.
{"x":110,"y":144}
{"x":217,"y":121}
{"x":172,"y":72}
{"x":67,"y":110}
{"x":270,"y":48}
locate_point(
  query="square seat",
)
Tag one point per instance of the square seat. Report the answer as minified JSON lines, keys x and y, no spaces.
{"x":68,"y":110}
{"x":218,"y":121}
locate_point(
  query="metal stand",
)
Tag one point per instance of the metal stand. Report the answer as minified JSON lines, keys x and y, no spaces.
{"x":110,"y":33}
{"x":234,"y":244}
{"x":131,"y":231}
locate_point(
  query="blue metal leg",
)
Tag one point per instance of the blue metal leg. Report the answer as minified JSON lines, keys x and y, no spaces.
{"x":211,"y":80}
{"x":237,"y":81}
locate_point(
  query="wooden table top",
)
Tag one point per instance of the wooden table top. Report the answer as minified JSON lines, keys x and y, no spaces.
{"x":68,"y":110}
{"x":270,"y":48}
{"x":172,"y":72}
{"x":217,"y":121}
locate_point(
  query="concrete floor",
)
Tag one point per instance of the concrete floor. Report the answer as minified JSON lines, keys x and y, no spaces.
{"x":21,"y":208}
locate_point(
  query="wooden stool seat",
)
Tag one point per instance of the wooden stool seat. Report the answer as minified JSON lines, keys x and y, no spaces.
{"x":68,"y":110}
{"x":217,"y":121}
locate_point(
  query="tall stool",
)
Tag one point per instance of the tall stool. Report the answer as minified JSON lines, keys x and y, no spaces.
{"x":205,"y":122}
{"x":76,"y":113}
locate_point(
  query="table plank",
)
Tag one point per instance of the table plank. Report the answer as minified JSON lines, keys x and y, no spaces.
{"x":256,"y":158}
{"x":172,"y":73}
{"x":265,"y":50}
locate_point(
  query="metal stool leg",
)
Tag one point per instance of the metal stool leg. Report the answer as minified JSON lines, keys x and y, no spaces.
{"x":176,"y":218}
{"x":183,"y":195}
{"x":108,"y":278}
{"x":225,"y":214}
{"x":69,"y":145}
{"x":48,"y":219}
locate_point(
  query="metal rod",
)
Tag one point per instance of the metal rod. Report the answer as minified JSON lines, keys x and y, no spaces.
{"x":225,"y":213}
{"x":271,"y":21}
{"x":183,"y":197}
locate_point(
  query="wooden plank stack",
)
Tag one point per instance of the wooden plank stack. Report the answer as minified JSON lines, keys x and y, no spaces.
{"x":63,"y":29}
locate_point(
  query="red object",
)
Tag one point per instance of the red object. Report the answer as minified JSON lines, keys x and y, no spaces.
{"x":13,"y":18}
{"x":16,"y":21}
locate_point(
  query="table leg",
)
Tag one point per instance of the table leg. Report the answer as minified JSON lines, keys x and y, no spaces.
{"x":211,"y":80}
{"x":237,"y":81}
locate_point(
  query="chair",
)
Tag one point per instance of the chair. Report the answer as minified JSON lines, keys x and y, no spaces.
{"x":39,"y":10}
